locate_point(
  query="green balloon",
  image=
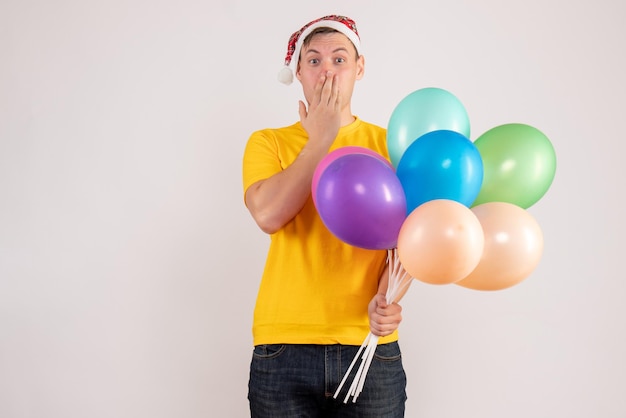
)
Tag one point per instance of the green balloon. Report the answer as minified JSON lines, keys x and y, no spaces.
{"x":519,"y":165}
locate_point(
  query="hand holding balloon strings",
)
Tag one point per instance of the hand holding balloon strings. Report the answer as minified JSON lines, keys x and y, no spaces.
{"x":399,"y":281}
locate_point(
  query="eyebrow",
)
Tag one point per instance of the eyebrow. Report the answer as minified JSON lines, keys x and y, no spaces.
{"x":315,"y":51}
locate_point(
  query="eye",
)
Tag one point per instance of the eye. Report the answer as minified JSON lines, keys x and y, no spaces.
{"x":340,"y":60}
{"x":314,"y":61}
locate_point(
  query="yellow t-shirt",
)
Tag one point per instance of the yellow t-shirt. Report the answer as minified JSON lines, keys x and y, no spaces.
{"x":315,"y":288}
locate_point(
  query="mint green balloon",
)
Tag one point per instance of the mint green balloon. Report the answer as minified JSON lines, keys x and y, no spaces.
{"x":423,"y":111}
{"x":519,"y":164}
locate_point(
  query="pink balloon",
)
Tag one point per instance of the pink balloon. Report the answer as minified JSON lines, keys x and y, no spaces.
{"x":513,"y":247}
{"x":440,"y":242}
{"x":332,"y":156}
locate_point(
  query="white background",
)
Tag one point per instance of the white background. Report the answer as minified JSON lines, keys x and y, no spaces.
{"x":129,"y":264}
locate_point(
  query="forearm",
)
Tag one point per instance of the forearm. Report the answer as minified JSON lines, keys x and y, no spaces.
{"x":383,"y":280}
{"x":275,"y":201}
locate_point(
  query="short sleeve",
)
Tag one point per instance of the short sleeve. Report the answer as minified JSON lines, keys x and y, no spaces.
{"x":260,"y":159}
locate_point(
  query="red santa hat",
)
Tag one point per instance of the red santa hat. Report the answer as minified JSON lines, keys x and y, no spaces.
{"x":342,"y":24}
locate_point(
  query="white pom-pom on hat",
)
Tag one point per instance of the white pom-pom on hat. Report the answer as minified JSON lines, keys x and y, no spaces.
{"x":341,"y":24}
{"x":285,"y":75}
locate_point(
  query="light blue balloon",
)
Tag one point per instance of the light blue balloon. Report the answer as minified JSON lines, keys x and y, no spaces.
{"x":440,"y":165}
{"x":424,"y":110}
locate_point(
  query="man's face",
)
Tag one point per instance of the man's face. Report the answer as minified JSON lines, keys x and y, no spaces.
{"x":332,"y":52}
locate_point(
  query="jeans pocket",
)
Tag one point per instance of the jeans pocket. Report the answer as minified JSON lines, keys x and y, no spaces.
{"x":268,"y":351}
{"x":388,"y":352}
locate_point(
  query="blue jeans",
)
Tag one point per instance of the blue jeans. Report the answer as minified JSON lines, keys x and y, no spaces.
{"x":288,"y":380}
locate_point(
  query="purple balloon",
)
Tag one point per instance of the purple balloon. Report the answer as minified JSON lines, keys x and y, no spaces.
{"x":336,"y":153}
{"x":361,"y":201}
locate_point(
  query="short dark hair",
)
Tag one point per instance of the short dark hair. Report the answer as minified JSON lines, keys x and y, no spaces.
{"x":322,"y":30}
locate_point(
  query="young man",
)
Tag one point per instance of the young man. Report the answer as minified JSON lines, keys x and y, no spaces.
{"x":318,"y":297}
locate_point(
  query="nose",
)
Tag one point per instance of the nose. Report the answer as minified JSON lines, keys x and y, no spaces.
{"x":327,"y":65}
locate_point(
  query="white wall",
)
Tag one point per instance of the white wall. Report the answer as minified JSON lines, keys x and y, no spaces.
{"x":129,"y":264}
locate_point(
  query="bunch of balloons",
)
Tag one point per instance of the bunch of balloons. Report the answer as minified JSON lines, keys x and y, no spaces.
{"x":453,"y":208}
{"x":447,"y":209}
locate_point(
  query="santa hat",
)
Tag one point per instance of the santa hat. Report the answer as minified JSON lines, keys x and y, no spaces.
{"x":342,"y":24}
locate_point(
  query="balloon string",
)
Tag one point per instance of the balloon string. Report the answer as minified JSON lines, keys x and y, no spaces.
{"x":399,"y":280}
{"x":359,"y":379}
{"x":345,"y":377}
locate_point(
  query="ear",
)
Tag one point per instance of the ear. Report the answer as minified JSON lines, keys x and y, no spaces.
{"x":360,"y":67}
{"x":298,"y":76}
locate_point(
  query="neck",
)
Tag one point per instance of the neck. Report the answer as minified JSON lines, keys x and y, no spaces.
{"x":347,"y":117}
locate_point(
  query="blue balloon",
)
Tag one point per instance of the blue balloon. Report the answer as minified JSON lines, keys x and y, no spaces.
{"x":441,"y":164}
{"x":422,"y":111}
